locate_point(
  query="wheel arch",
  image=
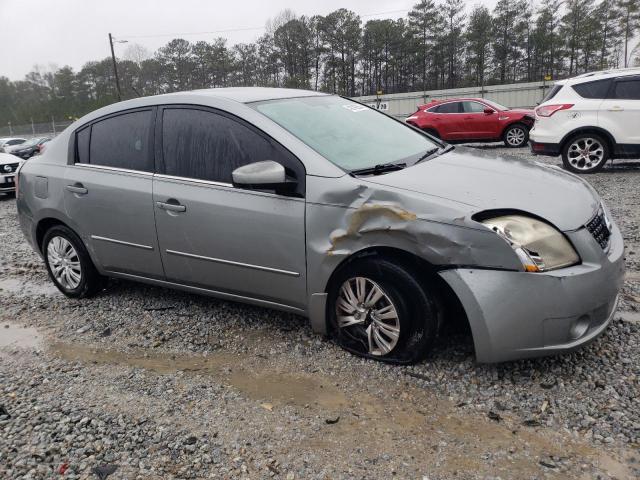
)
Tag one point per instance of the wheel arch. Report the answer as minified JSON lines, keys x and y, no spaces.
{"x":511,"y":124}
{"x":43,"y":225}
{"x":590,"y":129}
{"x":424,"y":272}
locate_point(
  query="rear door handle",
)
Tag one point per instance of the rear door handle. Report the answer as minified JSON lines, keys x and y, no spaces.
{"x":77,"y":188}
{"x":616,"y":109}
{"x":171,"y":207}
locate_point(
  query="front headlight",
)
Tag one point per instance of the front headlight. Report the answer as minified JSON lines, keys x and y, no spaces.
{"x":539,"y":246}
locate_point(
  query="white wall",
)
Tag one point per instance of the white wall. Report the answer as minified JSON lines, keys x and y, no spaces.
{"x":512,"y":95}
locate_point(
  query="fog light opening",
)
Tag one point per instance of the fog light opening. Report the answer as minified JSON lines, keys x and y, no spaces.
{"x":580,"y":327}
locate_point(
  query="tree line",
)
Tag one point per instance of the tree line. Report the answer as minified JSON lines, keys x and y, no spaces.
{"x":438,"y":44}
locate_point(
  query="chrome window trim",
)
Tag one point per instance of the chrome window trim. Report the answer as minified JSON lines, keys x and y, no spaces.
{"x":121,"y":242}
{"x":430,"y":110}
{"x":195,"y":180}
{"x":230,"y":262}
{"x":230,"y":186}
{"x":112,"y":169}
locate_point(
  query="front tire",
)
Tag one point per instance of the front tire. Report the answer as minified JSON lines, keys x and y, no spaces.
{"x":68,"y":263}
{"x":585,"y":153}
{"x":516,"y":136}
{"x":378,"y":310}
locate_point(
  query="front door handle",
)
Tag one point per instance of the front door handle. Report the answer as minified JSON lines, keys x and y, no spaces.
{"x":77,"y":188}
{"x":171,"y":206}
{"x":616,"y":109}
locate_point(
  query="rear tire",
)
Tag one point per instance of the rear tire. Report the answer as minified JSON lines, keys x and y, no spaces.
{"x":377,"y":309}
{"x":69,"y":264}
{"x":585,"y":153}
{"x":516,"y":135}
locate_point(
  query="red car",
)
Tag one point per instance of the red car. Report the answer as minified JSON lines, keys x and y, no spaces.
{"x":473,"y":120}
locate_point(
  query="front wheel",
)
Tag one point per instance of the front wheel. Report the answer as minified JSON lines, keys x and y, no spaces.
{"x":585,"y":153}
{"x":68,"y":263}
{"x":378,"y":310}
{"x":516,"y":136}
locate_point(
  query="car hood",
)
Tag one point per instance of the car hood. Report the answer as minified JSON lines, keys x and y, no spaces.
{"x":480,"y":181}
{"x":6,"y":158}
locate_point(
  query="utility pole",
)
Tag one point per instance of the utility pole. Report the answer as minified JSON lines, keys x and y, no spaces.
{"x":115,"y":68}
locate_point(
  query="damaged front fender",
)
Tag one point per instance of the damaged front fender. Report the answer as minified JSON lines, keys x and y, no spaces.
{"x":349,"y":215}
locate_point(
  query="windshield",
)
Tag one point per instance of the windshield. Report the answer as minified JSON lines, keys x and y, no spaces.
{"x":347,"y":133}
{"x":496,"y":105}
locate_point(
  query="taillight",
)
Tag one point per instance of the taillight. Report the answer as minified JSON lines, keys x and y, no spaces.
{"x":548,"y":110}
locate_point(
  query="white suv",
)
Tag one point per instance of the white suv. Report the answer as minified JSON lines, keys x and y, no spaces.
{"x":590,"y":119}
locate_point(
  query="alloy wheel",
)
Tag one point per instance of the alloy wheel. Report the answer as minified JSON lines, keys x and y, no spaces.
{"x":585,"y":153}
{"x":516,"y":136}
{"x":366,"y":314}
{"x":64,"y":262}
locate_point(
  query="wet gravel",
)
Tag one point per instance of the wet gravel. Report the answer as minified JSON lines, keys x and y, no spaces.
{"x":163,"y":384}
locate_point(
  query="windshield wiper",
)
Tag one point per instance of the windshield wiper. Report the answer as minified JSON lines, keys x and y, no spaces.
{"x":380,"y":168}
{"x":432,"y":151}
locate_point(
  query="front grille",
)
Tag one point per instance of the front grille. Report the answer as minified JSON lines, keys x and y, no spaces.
{"x":599,"y":229}
{"x":9,"y":168}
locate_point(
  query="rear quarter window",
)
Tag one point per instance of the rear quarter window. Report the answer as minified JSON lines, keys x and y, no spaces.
{"x":595,"y":89}
{"x":553,"y":91}
{"x":82,"y":145}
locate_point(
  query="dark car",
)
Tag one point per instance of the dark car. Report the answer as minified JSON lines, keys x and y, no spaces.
{"x":29,"y":148}
{"x":474,"y":120}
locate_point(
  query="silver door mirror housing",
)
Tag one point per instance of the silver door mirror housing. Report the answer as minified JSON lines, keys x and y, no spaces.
{"x":265,"y":175}
{"x":254,"y":174}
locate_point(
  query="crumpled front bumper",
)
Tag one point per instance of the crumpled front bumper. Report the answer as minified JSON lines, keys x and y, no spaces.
{"x":517,"y":315}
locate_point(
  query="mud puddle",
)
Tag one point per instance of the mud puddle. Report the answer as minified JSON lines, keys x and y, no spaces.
{"x":428,"y":428}
{"x":15,"y":336}
{"x":247,"y":376}
{"x":629,"y":316}
{"x":26,"y":288}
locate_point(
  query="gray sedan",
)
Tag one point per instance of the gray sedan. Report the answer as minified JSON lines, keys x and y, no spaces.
{"x":318,"y":205}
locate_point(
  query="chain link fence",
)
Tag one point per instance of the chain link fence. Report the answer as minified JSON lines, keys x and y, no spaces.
{"x":49,"y":129}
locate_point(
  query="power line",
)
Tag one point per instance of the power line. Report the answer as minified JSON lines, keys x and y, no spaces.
{"x":239,"y":29}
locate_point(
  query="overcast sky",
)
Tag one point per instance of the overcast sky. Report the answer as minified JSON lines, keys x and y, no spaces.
{"x":72,"y":32}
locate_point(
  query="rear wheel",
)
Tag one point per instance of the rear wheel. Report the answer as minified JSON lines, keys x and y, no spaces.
{"x":378,"y":310}
{"x":585,"y":153}
{"x":68,"y":263}
{"x":516,"y":136}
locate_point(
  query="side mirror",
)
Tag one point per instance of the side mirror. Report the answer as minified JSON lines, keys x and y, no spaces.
{"x":266,"y":175}
{"x":489,"y":111}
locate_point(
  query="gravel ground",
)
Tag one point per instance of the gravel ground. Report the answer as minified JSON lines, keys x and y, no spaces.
{"x":163,"y":384}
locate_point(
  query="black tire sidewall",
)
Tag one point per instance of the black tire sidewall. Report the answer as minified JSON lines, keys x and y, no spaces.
{"x":89,"y":277}
{"x":565,"y":153}
{"x":417,"y":312}
{"x":511,"y":127}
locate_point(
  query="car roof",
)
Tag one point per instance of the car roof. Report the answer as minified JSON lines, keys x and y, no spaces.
{"x":600,"y":75}
{"x":457,"y":99}
{"x":252,"y":94}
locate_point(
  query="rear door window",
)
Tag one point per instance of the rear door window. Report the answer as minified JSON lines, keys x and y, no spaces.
{"x":453,"y":107}
{"x":627,"y":89}
{"x":122,"y":141}
{"x":205,"y":145}
{"x":595,"y":89}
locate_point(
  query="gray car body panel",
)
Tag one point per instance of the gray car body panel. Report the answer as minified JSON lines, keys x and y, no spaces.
{"x":280,"y":251}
